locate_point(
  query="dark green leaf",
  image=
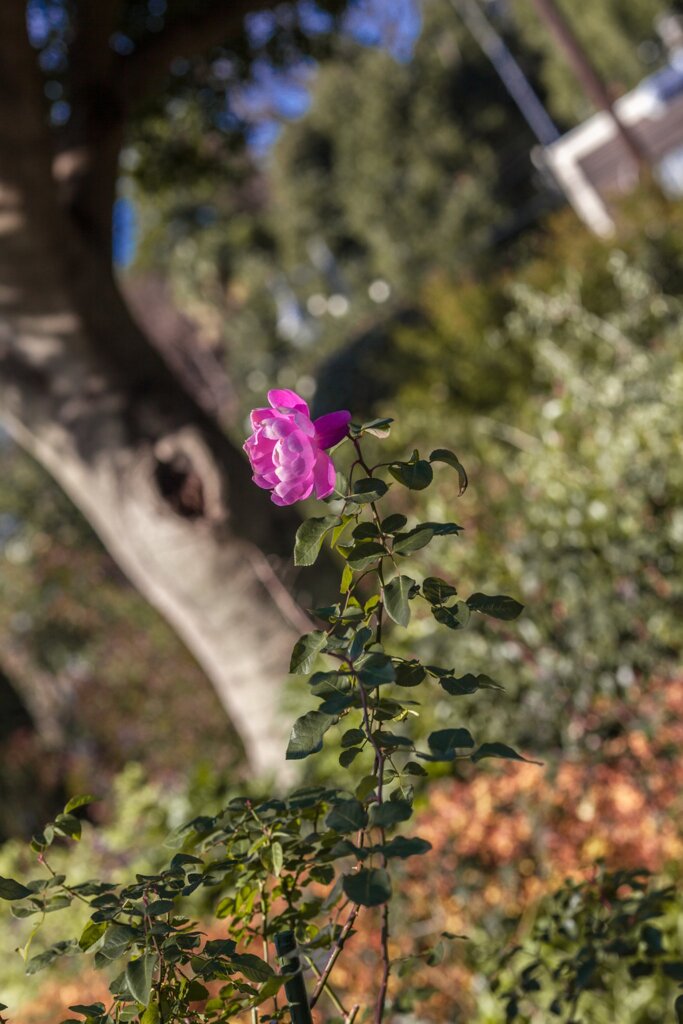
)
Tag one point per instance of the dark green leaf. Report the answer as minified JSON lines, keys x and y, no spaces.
{"x":365,"y":553}
{"x":416,"y":474}
{"x":500,"y":750}
{"x":365,"y":531}
{"x":368,"y":490}
{"x":498,"y":605}
{"x":467,"y":684}
{"x":391,"y":812}
{"x":437,"y":591}
{"x":348,"y":756}
{"x":310,"y":536}
{"x":252,"y":967}
{"x":413,"y":768}
{"x":359,"y":641}
{"x":678,"y":1008}
{"x":673,"y":969}
{"x":347,"y":816}
{"x":444,"y":743}
{"x":307,"y":734}
{"x":117,"y":939}
{"x":394,"y":523}
{"x":159,"y":907}
{"x":443,"y":455}
{"x":306,"y":650}
{"x":91,"y":1010}
{"x":139,"y":975}
{"x":444,"y":529}
{"x":352,"y":737}
{"x":409,"y":673}
{"x":375,"y":670}
{"x":402,"y":846}
{"x":415,"y":539}
{"x":396,"y":599}
{"x":370,"y":887}
{"x":11,"y":890}
{"x":455,"y":617}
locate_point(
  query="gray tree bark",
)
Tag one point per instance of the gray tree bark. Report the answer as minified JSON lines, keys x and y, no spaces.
{"x":86,"y":394}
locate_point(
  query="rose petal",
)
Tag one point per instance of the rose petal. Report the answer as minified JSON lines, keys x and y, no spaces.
{"x":331,"y":428}
{"x":283,"y":398}
{"x":324,"y":476}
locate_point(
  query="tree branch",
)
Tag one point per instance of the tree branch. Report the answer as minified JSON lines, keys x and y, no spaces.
{"x":218,"y":23}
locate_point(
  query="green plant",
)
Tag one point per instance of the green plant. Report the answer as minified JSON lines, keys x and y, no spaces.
{"x":597,"y":950}
{"x":314,"y":861}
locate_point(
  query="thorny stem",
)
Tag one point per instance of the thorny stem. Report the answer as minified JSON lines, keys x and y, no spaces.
{"x":334,"y":955}
{"x":328,"y":988}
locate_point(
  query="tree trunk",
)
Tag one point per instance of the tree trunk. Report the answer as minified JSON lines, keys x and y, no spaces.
{"x":85,"y":393}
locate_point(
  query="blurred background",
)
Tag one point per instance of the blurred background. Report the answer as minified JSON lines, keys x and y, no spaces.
{"x":461,"y":213}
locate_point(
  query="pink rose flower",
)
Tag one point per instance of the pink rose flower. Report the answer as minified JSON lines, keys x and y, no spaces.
{"x":287,"y":449}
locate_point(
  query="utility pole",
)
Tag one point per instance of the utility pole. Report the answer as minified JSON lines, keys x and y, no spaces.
{"x":588,"y":77}
{"x":509,"y":71}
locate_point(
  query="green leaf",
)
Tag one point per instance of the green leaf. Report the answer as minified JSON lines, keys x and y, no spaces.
{"x":252,"y":967}
{"x":437,"y":591}
{"x":139,"y":975}
{"x":375,"y":670}
{"x":159,"y":907}
{"x":365,"y":553}
{"x":413,"y":768}
{"x":455,"y":617}
{"x":79,"y":801}
{"x":370,"y":887}
{"x":91,"y":933}
{"x":402,"y":846}
{"x":391,"y":812}
{"x":368,"y":490}
{"x":359,"y":641}
{"x":348,"y":756}
{"x":444,"y":743}
{"x":307,"y":734}
{"x":498,"y":605}
{"x":409,"y":673}
{"x":365,"y":787}
{"x":347,"y":816}
{"x":500,"y":750}
{"x":68,"y":825}
{"x":310,"y":536}
{"x":277,"y":858}
{"x":306,"y":650}
{"x":467,"y":684}
{"x":11,"y":890}
{"x":117,"y":939}
{"x":418,"y":538}
{"x":378,"y":428}
{"x":91,"y":1010}
{"x":393,"y":523}
{"x":444,"y":529}
{"x":443,"y":455}
{"x":365,"y":531}
{"x":396,"y":599}
{"x":416,"y":474}
{"x":352,"y":737}
{"x":346,"y":579}
{"x":151,"y":1014}
{"x":42,"y":960}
